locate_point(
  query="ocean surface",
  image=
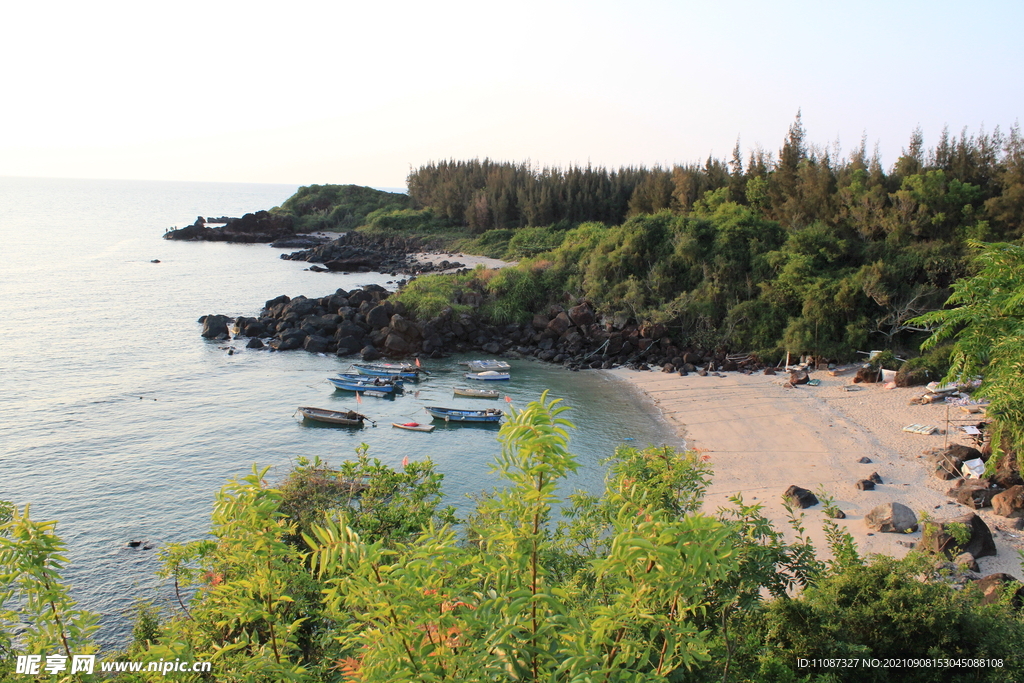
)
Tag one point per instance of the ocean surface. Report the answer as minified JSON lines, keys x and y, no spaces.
{"x":121,"y":422}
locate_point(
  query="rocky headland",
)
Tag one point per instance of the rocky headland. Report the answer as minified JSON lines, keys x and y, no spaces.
{"x":365,"y":322}
{"x":251,"y":228}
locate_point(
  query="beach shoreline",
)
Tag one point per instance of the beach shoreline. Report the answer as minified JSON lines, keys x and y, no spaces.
{"x":762,"y":436}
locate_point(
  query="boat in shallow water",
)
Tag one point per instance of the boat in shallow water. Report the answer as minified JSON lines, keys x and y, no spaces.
{"x":476,"y":393}
{"x":365,"y":383}
{"x":414,"y":426}
{"x":488,"y":376}
{"x":402,"y":370}
{"x":457,"y":415}
{"x":484,"y":365}
{"x":348,"y":418}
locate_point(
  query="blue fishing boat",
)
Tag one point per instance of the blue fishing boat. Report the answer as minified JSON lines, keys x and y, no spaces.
{"x":367,"y":384}
{"x":456,"y":415}
{"x":355,"y":377}
{"x":489,"y":376}
{"x":401,"y":370}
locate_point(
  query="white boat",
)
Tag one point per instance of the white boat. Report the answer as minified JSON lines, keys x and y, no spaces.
{"x":476,"y":393}
{"x":483,"y":365}
{"x":414,"y":427}
{"x":488,"y":376}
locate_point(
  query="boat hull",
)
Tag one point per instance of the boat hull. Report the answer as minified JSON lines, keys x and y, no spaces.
{"x":333,"y":417}
{"x":349,"y":385}
{"x":489,"y":376}
{"x":375,"y":371}
{"x":476,"y":393}
{"x":455,"y":415}
{"x":414,"y":428}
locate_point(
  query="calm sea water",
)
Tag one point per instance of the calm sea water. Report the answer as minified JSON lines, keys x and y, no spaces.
{"x":120,"y":421}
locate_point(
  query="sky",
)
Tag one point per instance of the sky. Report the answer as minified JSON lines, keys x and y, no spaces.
{"x":346,"y":92}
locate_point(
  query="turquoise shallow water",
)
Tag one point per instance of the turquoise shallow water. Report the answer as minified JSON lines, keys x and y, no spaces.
{"x":120,"y":421}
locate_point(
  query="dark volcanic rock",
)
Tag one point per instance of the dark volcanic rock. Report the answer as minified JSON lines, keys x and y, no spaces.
{"x":261,"y":226}
{"x":215,"y":326}
{"x":974,"y":493}
{"x":800,"y":497}
{"x":938,"y":537}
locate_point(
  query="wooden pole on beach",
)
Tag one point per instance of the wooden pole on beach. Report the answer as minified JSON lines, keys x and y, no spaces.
{"x":945,"y":437}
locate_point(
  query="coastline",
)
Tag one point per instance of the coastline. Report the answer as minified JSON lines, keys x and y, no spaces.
{"x":762,"y":437}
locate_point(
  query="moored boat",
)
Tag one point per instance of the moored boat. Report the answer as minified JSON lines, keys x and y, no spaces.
{"x":349,"y":418}
{"x":414,"y":426}
{"x":402,"y":370}
{"x":476,"y":393}
{"x":457,"y":415}
{"x":364,"y":383}
{"x":488,"y":376}
{"x":483,"y":365}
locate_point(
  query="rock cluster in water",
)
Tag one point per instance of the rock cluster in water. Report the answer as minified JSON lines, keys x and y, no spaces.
{"x":365,"y":322}
{"x":359,"y":253}
{"x":251,"y":228}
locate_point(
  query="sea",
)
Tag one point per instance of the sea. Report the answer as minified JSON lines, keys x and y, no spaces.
{"x":120,"y":422}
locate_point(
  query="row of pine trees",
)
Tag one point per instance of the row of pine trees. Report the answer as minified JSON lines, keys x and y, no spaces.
{"x":971,"y":183}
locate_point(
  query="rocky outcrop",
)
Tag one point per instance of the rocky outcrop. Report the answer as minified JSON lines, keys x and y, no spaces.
{"x":366,"y":322}
{"x":261,"y":226}
{"x":355,"y":252}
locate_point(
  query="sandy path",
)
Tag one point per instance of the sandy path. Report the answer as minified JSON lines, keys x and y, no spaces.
{"x":762,"y":437}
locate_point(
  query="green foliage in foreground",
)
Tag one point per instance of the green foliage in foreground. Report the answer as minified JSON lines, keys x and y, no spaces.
{"x":636,"y":584}
{"x":985,"y":320}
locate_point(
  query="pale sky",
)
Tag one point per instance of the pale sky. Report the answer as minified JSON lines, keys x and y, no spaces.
{"x":347,"y":92}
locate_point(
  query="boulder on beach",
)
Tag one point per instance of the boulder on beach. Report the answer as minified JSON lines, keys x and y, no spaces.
{"x":800,"y":497}
{"x":1009,"y":503}
{"x":975,"y":537}
{"x":892,"y":518}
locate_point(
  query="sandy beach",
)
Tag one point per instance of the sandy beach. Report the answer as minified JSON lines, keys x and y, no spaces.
{"x":762,"y":437}
{"x":467,"y":260}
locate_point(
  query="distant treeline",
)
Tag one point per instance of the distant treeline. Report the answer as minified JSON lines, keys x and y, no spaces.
{"x":926,"y":194}
{"x":801,"y":251}
{"x":805,"y":250}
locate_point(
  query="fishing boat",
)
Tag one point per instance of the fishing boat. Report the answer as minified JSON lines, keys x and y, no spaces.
{"x":457,"y":415}
{"x":484,"y":365}
{"x":401,"y":370}
{"x":364,"y":383}
{"x":376,"y":380}
{"x":349,"y":418}
{"x":488,"y":376}
{"x":476,"y":393}
{"x":414,"y":427}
